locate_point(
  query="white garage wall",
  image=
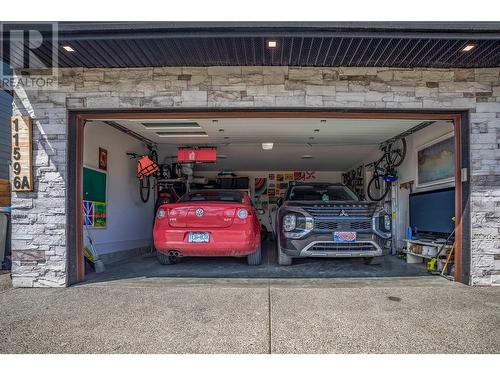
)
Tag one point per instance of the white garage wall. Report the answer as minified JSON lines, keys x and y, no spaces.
{"x":129,"y":220}
{"x":407,"y":171}
{"x":321,"y":176}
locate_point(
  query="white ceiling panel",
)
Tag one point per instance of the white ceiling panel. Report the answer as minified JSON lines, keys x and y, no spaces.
{"x":333,"y":144}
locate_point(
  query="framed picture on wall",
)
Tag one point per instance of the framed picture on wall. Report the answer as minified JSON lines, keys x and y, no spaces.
{"x":436,"y":161}
{"x":103,"y":159}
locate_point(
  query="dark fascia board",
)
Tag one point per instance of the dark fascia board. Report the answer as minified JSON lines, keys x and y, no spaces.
{"x":396,"y":26}
{"x":153,"y":30}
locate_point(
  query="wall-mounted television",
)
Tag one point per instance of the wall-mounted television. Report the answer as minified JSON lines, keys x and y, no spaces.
{"x":432,"y":213}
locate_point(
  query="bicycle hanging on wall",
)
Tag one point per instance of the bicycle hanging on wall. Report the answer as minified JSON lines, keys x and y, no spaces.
{"x":384,"y":169}
{"x":147,"y":168}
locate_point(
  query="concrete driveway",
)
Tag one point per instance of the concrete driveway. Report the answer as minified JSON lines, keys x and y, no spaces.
{"x":161,"y":315}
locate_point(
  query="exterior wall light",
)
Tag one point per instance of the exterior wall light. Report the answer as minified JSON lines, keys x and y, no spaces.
{"x":468,"y":47}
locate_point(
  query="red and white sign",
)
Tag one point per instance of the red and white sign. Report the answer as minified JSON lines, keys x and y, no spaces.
{"x":198,"y":155}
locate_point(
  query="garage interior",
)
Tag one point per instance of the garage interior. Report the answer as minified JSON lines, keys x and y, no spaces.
{"x":251,"y":151}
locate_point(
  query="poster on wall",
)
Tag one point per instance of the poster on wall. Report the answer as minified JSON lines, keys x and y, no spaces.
{"x":436,"y":161}
{"x":260,"y":186}
{"x":94,"y":214}
{"x":103,"y":159}
{"x":304,"y":176}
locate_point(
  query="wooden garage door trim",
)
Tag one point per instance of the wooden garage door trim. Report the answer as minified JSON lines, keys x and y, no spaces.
{"x":77,"y":119}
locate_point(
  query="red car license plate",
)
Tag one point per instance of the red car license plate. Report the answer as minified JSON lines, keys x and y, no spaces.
{"x":344,"y":236}
{"x":199,"y":237}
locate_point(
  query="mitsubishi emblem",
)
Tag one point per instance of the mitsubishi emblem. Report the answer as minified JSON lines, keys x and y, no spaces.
{"x":343,"y":213}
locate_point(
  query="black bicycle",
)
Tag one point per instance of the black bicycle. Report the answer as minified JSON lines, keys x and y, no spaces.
{"x":384,"y":169}
{"x":143,"y":174}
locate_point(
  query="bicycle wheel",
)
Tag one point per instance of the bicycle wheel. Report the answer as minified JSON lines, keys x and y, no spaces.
{"x":176,"y":170}
{"x":145,"y":188}
{"x":377,"y":188}
{"x":153,"y":155}
{"x":396,"y":152}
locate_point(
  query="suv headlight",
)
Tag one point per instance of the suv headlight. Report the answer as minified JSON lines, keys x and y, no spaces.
{"x":387,"y":222}
{"x":296,"y":225}
{"x":289,"y":222}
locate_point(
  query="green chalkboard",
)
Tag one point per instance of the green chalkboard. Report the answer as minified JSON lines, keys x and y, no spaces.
{"x":94,"y":185}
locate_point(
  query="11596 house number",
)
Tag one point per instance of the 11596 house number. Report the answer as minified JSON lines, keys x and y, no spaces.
{"x":22,"y":171}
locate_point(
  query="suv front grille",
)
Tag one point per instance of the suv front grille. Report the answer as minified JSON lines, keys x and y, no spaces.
{"x":352,"y":210}
{"x":343,"y":246}
{"x":358,"y":225}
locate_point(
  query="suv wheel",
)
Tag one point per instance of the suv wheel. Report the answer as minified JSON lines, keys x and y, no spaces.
{"x":368,"y":260}
{"x":283,"y":259}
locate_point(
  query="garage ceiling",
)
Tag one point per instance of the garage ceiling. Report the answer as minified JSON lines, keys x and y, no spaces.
{"x":299,"y":144}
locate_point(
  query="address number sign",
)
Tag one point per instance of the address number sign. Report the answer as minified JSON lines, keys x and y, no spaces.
{"x":22,"y":171}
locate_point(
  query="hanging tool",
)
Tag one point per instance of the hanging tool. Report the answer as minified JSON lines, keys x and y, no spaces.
{"x":92,"y":254}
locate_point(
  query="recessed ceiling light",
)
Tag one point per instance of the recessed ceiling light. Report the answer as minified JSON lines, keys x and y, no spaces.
{"x":468,"y":47}
{"x":267,"y":146}
{"x":171,"y":125}
{"x":272,"y":43}
{"x":306,"y":157}
{"x":181,"y":134}
{"x":68,"y":48}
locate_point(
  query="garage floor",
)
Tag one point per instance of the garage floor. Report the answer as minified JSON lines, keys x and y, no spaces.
{"x":169,"y":315}
{"x":147,"y":266}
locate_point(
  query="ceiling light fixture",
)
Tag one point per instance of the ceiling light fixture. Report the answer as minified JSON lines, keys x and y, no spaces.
{"x":267,"y":146}
{"x":181,"y":134}
{"x":468,"y":47}
{"x":272,"y":43}
{"x":171,"y":126}
{"x":68,"y":48}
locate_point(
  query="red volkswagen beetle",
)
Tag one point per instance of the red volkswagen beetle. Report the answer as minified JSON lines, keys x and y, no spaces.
{"x":208,"y":223}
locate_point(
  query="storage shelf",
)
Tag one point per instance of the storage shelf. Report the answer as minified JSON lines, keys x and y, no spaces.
{"x":418,"y":255}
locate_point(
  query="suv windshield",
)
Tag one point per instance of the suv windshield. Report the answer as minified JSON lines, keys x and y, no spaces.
{"x":321,"y":193}
{"x":213,"y":196}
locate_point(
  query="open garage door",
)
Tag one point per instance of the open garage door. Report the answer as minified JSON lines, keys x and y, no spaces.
{"x":332,"y":196}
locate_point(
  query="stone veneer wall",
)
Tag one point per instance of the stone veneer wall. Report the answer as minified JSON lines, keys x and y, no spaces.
{"x":39,"y":218}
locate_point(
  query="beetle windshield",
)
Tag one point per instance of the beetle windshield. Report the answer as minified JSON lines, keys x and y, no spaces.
{"x":213,"y":196}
